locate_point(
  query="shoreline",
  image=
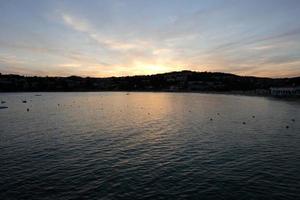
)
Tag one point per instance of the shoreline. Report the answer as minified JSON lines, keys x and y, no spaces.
{"x":237,"y":93}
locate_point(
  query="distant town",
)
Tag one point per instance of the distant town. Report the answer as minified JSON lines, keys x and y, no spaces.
{"x":183,"y":81}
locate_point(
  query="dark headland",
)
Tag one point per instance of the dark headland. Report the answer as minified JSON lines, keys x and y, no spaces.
{"x":183,"y":81}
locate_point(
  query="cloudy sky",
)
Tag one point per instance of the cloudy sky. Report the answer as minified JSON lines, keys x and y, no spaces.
{"x":128,"y":37}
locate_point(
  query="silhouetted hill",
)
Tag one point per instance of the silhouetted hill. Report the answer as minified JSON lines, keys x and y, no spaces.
{"x":173,"y":81}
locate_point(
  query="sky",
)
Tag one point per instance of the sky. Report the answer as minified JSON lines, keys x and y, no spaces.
{"x":102,"y":38}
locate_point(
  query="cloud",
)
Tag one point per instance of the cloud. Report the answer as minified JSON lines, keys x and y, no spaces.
{"x":83,"y":26}
{"x":273,"y":38}
{"x":263,"y":47}
{"x":11,"y":60}
{"x":117,"y":38}
{"x":14,"y":65}
{"x":76,"y":24}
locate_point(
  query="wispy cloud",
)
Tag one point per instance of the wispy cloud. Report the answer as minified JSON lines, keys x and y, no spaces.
{"x":76,"y":24}
{"x":85,"y":27}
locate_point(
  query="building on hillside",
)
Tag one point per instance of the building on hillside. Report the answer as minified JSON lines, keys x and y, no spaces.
{"x":285,"y":91}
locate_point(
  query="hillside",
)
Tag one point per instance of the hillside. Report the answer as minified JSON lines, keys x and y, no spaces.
{"x":173,"y":81}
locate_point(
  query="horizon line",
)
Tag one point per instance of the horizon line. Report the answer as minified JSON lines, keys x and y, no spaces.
{"x":105,"y":77}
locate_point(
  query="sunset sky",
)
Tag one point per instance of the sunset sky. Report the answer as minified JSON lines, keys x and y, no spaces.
{"x":103,"y":38}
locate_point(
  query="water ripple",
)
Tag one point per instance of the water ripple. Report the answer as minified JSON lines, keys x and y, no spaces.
{"x":149,"y":146}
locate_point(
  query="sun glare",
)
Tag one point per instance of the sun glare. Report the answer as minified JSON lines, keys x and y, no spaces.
{"x":150,"y":68}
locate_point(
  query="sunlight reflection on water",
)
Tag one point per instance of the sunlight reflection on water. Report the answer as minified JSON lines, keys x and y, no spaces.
{"x":148,"y":145}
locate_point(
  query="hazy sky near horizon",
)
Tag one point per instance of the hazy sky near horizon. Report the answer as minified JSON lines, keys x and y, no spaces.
{"x":129,"y":37}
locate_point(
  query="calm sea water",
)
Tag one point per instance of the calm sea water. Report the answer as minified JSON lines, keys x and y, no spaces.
{"x":148,"y":146}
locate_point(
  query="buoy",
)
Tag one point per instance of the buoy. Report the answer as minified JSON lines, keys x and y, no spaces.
{"x":27,"y":109}
{"x":24,"y":101}
{"x":210,"y":119}
{"x":287,"y":127}
{"x":253,"y":116}
{"x":2,"y":102}
{"x":218,"y":113}
{"x":293,"y":120}
{"x":244,"y":122}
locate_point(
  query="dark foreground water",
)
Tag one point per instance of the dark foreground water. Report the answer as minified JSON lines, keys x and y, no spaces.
{"x":148,"y":146}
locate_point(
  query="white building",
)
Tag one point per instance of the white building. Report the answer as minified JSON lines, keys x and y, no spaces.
{"x":285,"y":91}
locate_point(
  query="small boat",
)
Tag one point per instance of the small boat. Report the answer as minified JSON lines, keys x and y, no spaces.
{"x":24,"y":101}
{"x":3,"y":107}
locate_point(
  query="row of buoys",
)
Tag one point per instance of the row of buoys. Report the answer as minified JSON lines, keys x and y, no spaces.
{"x":211,"y":119}
{"x":253,"y":116}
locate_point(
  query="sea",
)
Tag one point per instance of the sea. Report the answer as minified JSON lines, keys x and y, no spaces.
{"x":148,"y":145}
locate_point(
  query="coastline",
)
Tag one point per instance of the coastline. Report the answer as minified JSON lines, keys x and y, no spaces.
{"x":234,"y":93}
